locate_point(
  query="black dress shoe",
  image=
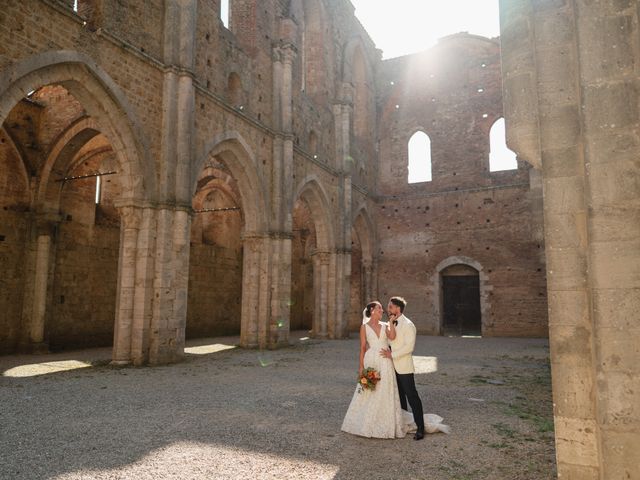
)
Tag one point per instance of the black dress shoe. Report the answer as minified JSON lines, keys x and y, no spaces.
{"x":419,"y":435}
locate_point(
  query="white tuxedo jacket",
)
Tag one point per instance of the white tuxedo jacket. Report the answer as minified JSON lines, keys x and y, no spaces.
{"x":403,"y":345}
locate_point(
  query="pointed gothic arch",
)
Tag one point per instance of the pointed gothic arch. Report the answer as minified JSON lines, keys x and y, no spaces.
{"x":103,"y":100}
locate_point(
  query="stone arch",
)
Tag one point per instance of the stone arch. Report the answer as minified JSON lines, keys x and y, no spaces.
{"x":485,"y":287}
{"x":235,"y":90}
{"x":364,"y":226}
{"x":363,"y":265}
{"x":215,"y":285}
{"x":311,"y":191}
{"x":239,"y":158}
{"x":23,"y":167}
{"x":103,"y":100}
{"x":61,"y":153}
{"x":348,"y":57}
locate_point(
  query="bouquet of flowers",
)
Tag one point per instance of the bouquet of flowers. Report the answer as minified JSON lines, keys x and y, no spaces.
{"x":369,"y":377}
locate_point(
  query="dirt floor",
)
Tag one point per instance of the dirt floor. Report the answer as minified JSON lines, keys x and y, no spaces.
{"x":228,"y":413}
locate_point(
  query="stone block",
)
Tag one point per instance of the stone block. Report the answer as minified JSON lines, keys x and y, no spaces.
{"x":555,"y":77}
{"x":616,"y":308}
{"x":620,"y":454}
{"x":568,"y":471}
{"x":566,"y":230}
{"x":609,"y":107}
{"x":566,"y":269}
{"x":618,"y":404}
{"x":568,"y":308}
{"x":618,"y":349}
{"x":615,"y":264}
{"x":576,"y":441}
{"x":548,"y":5}
{"x":612,"y":146}
{"x":571,"y":345}
{"x":564,"y":195}
{"x":573,"y":389}
{"x":609,"y":47}
{"x":562,"y":162}
{"x":554,"y":29}
{"x":560,"y":125}
{"x":614,"y":224}
{"x":615,"y":182}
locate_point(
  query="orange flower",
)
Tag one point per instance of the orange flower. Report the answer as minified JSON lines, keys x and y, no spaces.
{"x":363,"y":381}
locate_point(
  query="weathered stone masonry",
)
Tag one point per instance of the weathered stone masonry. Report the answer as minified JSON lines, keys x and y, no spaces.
{"x":261,"y":173}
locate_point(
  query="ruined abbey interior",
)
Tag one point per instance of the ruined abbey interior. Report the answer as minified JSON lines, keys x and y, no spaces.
{"x":166,"y":173}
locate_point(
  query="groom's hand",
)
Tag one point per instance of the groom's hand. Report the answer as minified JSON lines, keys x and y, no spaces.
{"x":385,"y":353}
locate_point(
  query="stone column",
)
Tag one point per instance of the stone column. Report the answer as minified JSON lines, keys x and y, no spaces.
{"x":531,"y":88}
{"x":250,"y":292}
{"x":43,"y":246}
{"x":130,"y":218}
{"x":277,"y":252}
{"x":572,"y":66}
{"x":43,"y":250}
{"x":321,"y":287}
{"x":170,"y":284}
{"x":280,"y":291}
{"x":342,"y":113}
{"x":608,"y":55}
{"x":257,"y":322}
{"x":367,"y":279}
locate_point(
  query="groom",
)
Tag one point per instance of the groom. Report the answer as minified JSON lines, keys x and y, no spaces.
{"x":401,"y":354}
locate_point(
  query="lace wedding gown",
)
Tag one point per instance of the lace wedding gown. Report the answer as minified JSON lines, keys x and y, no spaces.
{"x":376,"y":413}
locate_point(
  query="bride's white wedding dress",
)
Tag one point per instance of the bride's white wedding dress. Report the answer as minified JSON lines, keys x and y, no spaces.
{"x":377,"y":413}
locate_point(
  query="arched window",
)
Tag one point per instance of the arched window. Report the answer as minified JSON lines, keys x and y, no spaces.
{"x":500,"y":157}
{"x":234,"y":90}
{"x":313,"y":142}
{"x":419,"y":158}
{"x":224,"y":12}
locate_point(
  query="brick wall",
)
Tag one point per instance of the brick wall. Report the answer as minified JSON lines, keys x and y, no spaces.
{"x":466,"y":210}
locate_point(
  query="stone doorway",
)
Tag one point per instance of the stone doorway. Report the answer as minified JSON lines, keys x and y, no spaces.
{"x":461,"y":312}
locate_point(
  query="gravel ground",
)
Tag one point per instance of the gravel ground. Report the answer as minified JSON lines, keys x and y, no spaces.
{"x":274,"y":415}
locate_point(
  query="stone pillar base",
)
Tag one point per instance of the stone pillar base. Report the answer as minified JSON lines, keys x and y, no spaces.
{"x":119,"y":363}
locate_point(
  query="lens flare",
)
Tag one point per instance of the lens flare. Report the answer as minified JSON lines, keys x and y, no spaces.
{"x":264,"y":359}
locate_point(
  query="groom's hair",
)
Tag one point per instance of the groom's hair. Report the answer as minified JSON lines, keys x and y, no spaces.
{"x":370,"y":307}
{"x":399,"y":302}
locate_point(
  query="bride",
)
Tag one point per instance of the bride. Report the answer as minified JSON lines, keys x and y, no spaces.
{"x":376,"y":413}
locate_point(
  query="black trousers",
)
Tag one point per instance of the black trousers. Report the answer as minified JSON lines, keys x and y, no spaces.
{"x":407,"y":391}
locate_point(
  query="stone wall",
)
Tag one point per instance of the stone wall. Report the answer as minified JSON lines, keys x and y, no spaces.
{"x":259,"y":112}
{"x":215,"y":291}
{"x":453,"y":93}
{"x":14,"y":231}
